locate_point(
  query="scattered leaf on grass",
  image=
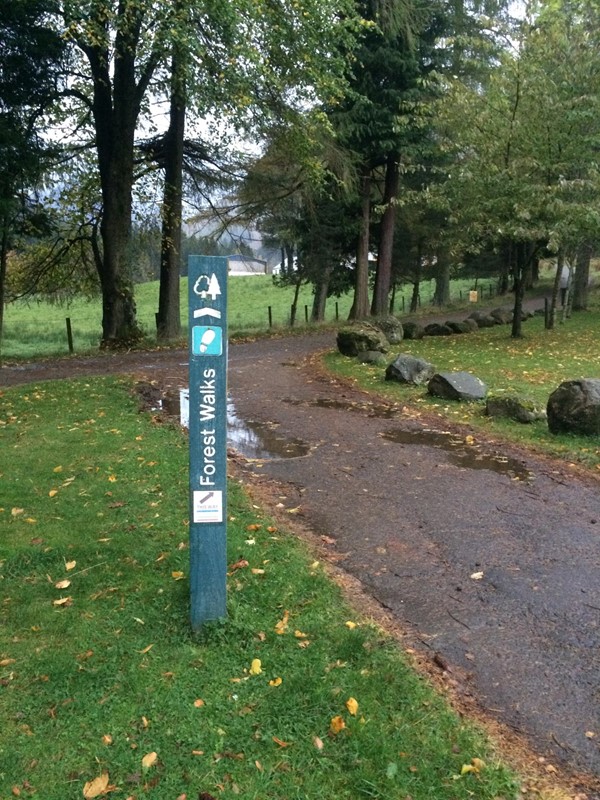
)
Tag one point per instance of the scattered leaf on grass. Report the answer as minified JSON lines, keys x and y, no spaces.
{"x":254,"y":527}
{"x":282,"y":625}
{"x":198,"y":703}
{"x":336,"y":725}
{"x":52,"y":492}
{"x":146,"y":649}
{"x":16,"y":511}
{"x":62,"y":584}
{"x":256,"y":571}
{"x":351,"y":625}
{"x":255,"y":667}
{"x":149,"y":760}
{"x":241,"y":564}
{"x":318,"y":743}
{"x":280,"y":742}
{"x":63,"y":601}
{"x":178,"y":575}
{"x":276,"y":682}
{"x":96,"y":787}
{"x":69,"y":565}
{"x":300,"y":635}
{"x":352,"y":706}
{"x":107,"y":739}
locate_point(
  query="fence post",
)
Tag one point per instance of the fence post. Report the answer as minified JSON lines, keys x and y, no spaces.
{"x":69,"y":335}
{"x":306,"y":314}
{"x":337,"y":311}
{"x":270,"y":317}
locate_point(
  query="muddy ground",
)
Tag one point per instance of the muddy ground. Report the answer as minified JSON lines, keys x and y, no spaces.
{"x":482,"y":559}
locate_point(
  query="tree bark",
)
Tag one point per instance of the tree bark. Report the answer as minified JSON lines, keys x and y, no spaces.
{"x":116,"y":101}
{"x":321,"y":293}
{"x":441,"y":295}
{"x":360,"y":305}
{"x":168,"y":319}
{"x":522,"y":269}
{"x":414,"y":300}
{"x":551,"y":321}
{"x":581,"y":278}
{"x":383,"y":276}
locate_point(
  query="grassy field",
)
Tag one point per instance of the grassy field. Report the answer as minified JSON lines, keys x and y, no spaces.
{"x":531,"y":367}
{"x":104,"y":692}
{"x":33,"y":329}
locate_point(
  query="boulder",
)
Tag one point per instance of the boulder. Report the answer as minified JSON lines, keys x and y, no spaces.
{"x":575,"y":407}
{"x":437,"y":329}
{"x":392,"y":329}
{"x":471,"y":324}
{"x":514,"y":407}
{"x":409,"y":369}
{"x":459,"y":327}
{"x":360,"y":337}
{"x":375,"y":357}
{"x":457,"y":386}
{"x":413,"y":330}
{"x":503,"y":316}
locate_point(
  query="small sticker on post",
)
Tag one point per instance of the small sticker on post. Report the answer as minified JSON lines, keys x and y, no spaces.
{"x":208,"y":506}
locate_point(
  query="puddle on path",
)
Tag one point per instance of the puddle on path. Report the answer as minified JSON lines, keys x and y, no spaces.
{"x":460,"y":453}
{"x":257,"y":440}
{"x":370,"y":409}
{"x":254,"y":440}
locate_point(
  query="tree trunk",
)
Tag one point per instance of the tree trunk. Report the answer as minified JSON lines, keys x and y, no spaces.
{"x":360,"y":305}
{"x":321,"y":293}
{"x":383,"y":276}
{"x":414,"y":300}
{"x":551,"y":321}
{"x":117,"y":94}
{"x":294,"y":308}
{"x":505,"y":268}
{"x":168,"y":319}
{"x":522,"y":270}
{"x":581,"y":278}
{"x":441,"y":296}
{"x":3,"y":261}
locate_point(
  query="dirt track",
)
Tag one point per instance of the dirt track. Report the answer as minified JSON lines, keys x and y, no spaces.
{"x":489,"y":567}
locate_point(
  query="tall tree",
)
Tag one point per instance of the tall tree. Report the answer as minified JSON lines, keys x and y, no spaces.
{"x":30,"y":56}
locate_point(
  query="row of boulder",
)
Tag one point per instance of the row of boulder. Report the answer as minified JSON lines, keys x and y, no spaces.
{"x":574,"y":407}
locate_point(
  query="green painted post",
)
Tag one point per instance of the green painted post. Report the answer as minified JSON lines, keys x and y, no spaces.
{"x":207,"y":278}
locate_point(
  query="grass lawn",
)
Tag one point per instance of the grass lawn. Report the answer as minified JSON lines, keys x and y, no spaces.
{"x":104,"y":691}
{"x":33,"y":329}
{"x":532,"y":367}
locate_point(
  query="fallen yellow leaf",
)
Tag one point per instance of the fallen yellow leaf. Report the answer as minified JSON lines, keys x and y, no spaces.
{"x":69,"y":565}
{"x":198,"y":703}
{"x":318,"y":743}
{"x":336,"y":725}
{"x":52,"y":492}
{"x":57,"y":469}
{"x":282,"y":625}
{"x":16,"y":511}
{"x":146,"y":649}
{"x":300,"y":635}
{"x":149,"y":760}
{"x":177,"y":575}
{"x":107,"y":739}
{"x":352,"y":706}
{"x":276,"y":682}
{"x":63,"y":601}
{"x":96,"y":787}
{"x":62,"y":584}
{"x":351,"y":625}
{"x":256,"y":666}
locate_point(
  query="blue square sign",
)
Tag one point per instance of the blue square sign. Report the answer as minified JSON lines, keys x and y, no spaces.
{"x":207,"y":340}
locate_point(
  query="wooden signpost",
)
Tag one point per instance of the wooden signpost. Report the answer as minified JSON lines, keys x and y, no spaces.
{"x":207,"y":277}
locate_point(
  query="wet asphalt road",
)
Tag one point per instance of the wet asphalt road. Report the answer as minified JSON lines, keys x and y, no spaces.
{"x":491,"y":564}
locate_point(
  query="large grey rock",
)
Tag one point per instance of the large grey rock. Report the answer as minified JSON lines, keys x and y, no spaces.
{"x":375,"y":357}
{"x":471,"y":324}
{"x":409,"y":369}
{"x":413,"y":330}
{"x":502,"y":315}
{"x":457,"y":386}
{"x":459,"y":327}
{"x":575,"y":407}
{"x":392,"y":329}
{"x":514,"y":407}
{"x":437,"y":329}
{"x":360,"y":337}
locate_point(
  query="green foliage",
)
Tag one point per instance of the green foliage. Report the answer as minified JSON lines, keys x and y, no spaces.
{"x":101,"y":676}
